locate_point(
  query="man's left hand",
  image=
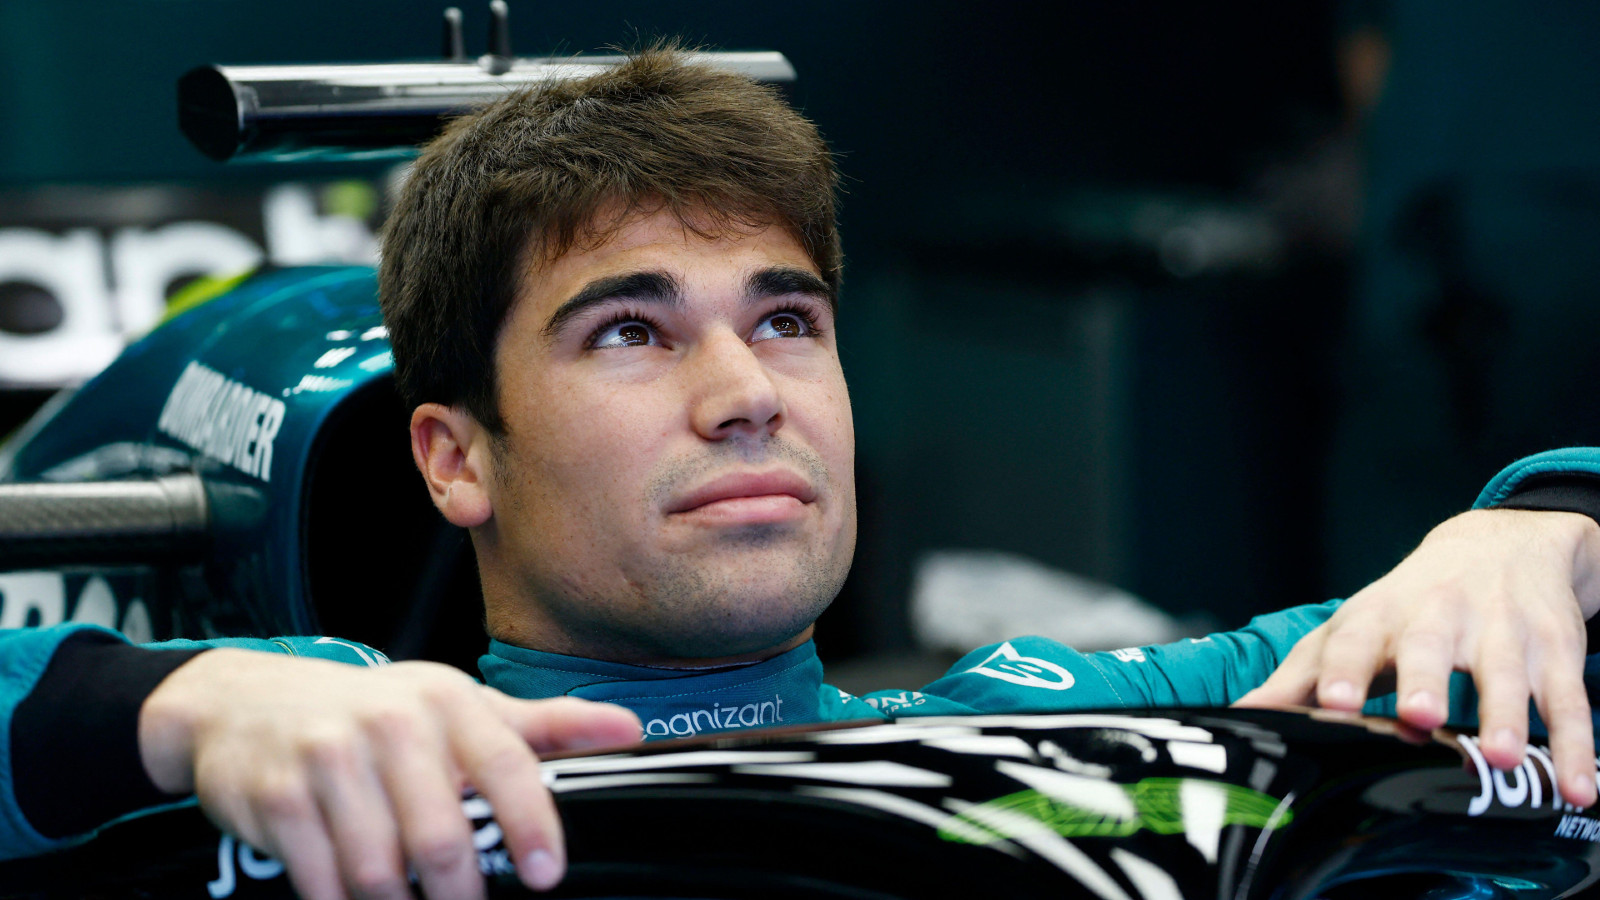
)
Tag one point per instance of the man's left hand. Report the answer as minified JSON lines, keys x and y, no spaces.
{"x":1500,"y":593}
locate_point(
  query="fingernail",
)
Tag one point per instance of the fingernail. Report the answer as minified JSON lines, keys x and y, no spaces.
{"x":540,"y":870}
{"x":1578,"y":786}
{"x":1505,"y":739}
{"x":1421,"y":700}
{"x":1340,"y":692}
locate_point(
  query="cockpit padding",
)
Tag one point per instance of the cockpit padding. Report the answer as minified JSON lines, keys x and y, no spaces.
{"x":382,"y":567}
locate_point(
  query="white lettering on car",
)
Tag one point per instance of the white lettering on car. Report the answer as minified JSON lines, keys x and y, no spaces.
{"x":39,"y":600}
{"x":1579,"y":828}
{"x":223,"y":419}
{"x":487,"y":838}
{"x":1530,"y":785}
{"x":251,"y":864}
{"x":1006,"y":664}
{"x":235,"y":858}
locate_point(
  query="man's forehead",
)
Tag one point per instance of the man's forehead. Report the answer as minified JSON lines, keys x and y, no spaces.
{"x":663,"y":242}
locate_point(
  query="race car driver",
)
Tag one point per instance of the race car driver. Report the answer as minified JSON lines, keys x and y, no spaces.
{"x":613,"y":306}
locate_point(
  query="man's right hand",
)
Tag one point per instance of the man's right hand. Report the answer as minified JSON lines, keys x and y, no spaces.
{"x":349,"y":775}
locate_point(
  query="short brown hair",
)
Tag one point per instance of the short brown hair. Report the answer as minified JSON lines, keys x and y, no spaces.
{"x":523,"y":180}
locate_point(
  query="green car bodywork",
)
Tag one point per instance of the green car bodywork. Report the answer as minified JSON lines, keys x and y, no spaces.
{"x":239,"y":389}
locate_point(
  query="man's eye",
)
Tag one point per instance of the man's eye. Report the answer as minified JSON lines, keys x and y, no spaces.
{"x":782,"y":325}
{"x":624,"y":334}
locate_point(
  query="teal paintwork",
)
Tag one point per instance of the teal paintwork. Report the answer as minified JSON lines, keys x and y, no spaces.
{"x":310,"y":337}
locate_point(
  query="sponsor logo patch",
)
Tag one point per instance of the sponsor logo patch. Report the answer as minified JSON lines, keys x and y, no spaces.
{"x":893,"y":703}
{"x":1006,"y":664}
{"x":717,"y":717}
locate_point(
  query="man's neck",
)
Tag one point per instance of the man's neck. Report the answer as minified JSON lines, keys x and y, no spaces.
{"x":517,"y":637}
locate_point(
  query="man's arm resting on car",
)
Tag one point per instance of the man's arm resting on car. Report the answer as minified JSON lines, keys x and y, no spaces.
{"x":349,"y":774}
{"x":74,"y":753}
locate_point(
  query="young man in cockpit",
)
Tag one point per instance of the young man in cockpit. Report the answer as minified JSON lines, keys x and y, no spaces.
{"x":613,"y":306}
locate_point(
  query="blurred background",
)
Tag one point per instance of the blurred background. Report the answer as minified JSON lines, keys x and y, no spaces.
{"x":1220,"y":306}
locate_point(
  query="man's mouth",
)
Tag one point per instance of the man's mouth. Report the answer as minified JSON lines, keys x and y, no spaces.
{"x":747,"y":498}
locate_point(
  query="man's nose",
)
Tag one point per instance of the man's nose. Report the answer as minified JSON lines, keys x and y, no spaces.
{"x":734,"y":392}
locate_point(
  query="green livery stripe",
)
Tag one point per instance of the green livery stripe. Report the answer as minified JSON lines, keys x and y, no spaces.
{"x":1157,"y":806}
{"x":201,"y":290}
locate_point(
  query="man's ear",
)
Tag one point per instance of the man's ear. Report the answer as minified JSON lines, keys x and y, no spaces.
{"x":452,"y":451}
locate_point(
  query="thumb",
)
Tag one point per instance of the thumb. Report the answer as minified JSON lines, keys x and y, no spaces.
{"x":1294,"y":682}
{"x":567,"y":723}
{"x":1286,"y":687}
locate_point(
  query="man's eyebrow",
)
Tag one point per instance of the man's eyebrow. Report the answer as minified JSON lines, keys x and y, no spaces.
{"x":776,"y":282}
{"x":645,"y":287}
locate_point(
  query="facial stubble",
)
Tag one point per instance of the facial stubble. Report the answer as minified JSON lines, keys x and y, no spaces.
{"x":720,"y":600}
{"x":716,"y":594}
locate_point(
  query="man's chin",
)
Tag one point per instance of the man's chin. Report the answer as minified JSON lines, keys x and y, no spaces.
{"x":718,"y":618}
{"x":734,"y":600}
